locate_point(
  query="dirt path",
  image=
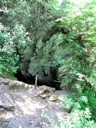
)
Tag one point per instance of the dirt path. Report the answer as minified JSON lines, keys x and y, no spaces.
{"x":32,"y":112}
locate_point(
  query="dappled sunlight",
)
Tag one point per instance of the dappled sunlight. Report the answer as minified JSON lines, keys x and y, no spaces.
{"x":8,"y":115}
{"x":31,"y":111}
{"x":60,"y":1}
{"x":28,"y":106}
{"x":80,"y":2}
{"x":51,"y":44}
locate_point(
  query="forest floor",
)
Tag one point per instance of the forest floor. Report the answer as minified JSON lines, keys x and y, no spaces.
{"x":31,"y":111}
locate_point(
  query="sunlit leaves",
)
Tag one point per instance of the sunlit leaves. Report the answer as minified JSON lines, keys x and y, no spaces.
{"x":8,"y":57}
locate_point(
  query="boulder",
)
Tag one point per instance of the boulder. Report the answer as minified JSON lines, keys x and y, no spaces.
{"x":44,"y":91}
{"x":53,"y":97}
{"x":46,"y":88}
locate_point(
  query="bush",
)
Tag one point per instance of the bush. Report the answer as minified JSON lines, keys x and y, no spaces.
{"x":8,"y":55}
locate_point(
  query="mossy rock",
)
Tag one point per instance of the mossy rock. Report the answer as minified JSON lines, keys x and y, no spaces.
{"x":47,"y":88}
{"x":53,"y":97}
{"x":18,"y":85}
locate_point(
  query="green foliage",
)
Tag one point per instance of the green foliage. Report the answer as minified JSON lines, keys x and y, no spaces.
{"x":80,"y":22}
{"x":50,"y":37}
{"x":91,"y":103}
{"x":8,"y":57}
{"x":80,"y":25}
{"x":13,"y":35}
{"x":80,"y":117}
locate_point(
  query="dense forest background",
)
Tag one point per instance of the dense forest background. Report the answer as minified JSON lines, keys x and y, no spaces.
{"x":55,"y":40}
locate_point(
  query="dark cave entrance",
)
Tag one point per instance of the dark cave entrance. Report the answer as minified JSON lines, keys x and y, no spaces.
{"x":31,"y":80}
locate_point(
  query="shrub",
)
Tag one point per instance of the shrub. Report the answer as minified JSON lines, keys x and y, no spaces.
{"x":8,"y":56}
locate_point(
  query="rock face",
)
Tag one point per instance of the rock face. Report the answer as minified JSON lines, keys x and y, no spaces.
{"x":6,"y":101}
{"x":22,"y":109}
